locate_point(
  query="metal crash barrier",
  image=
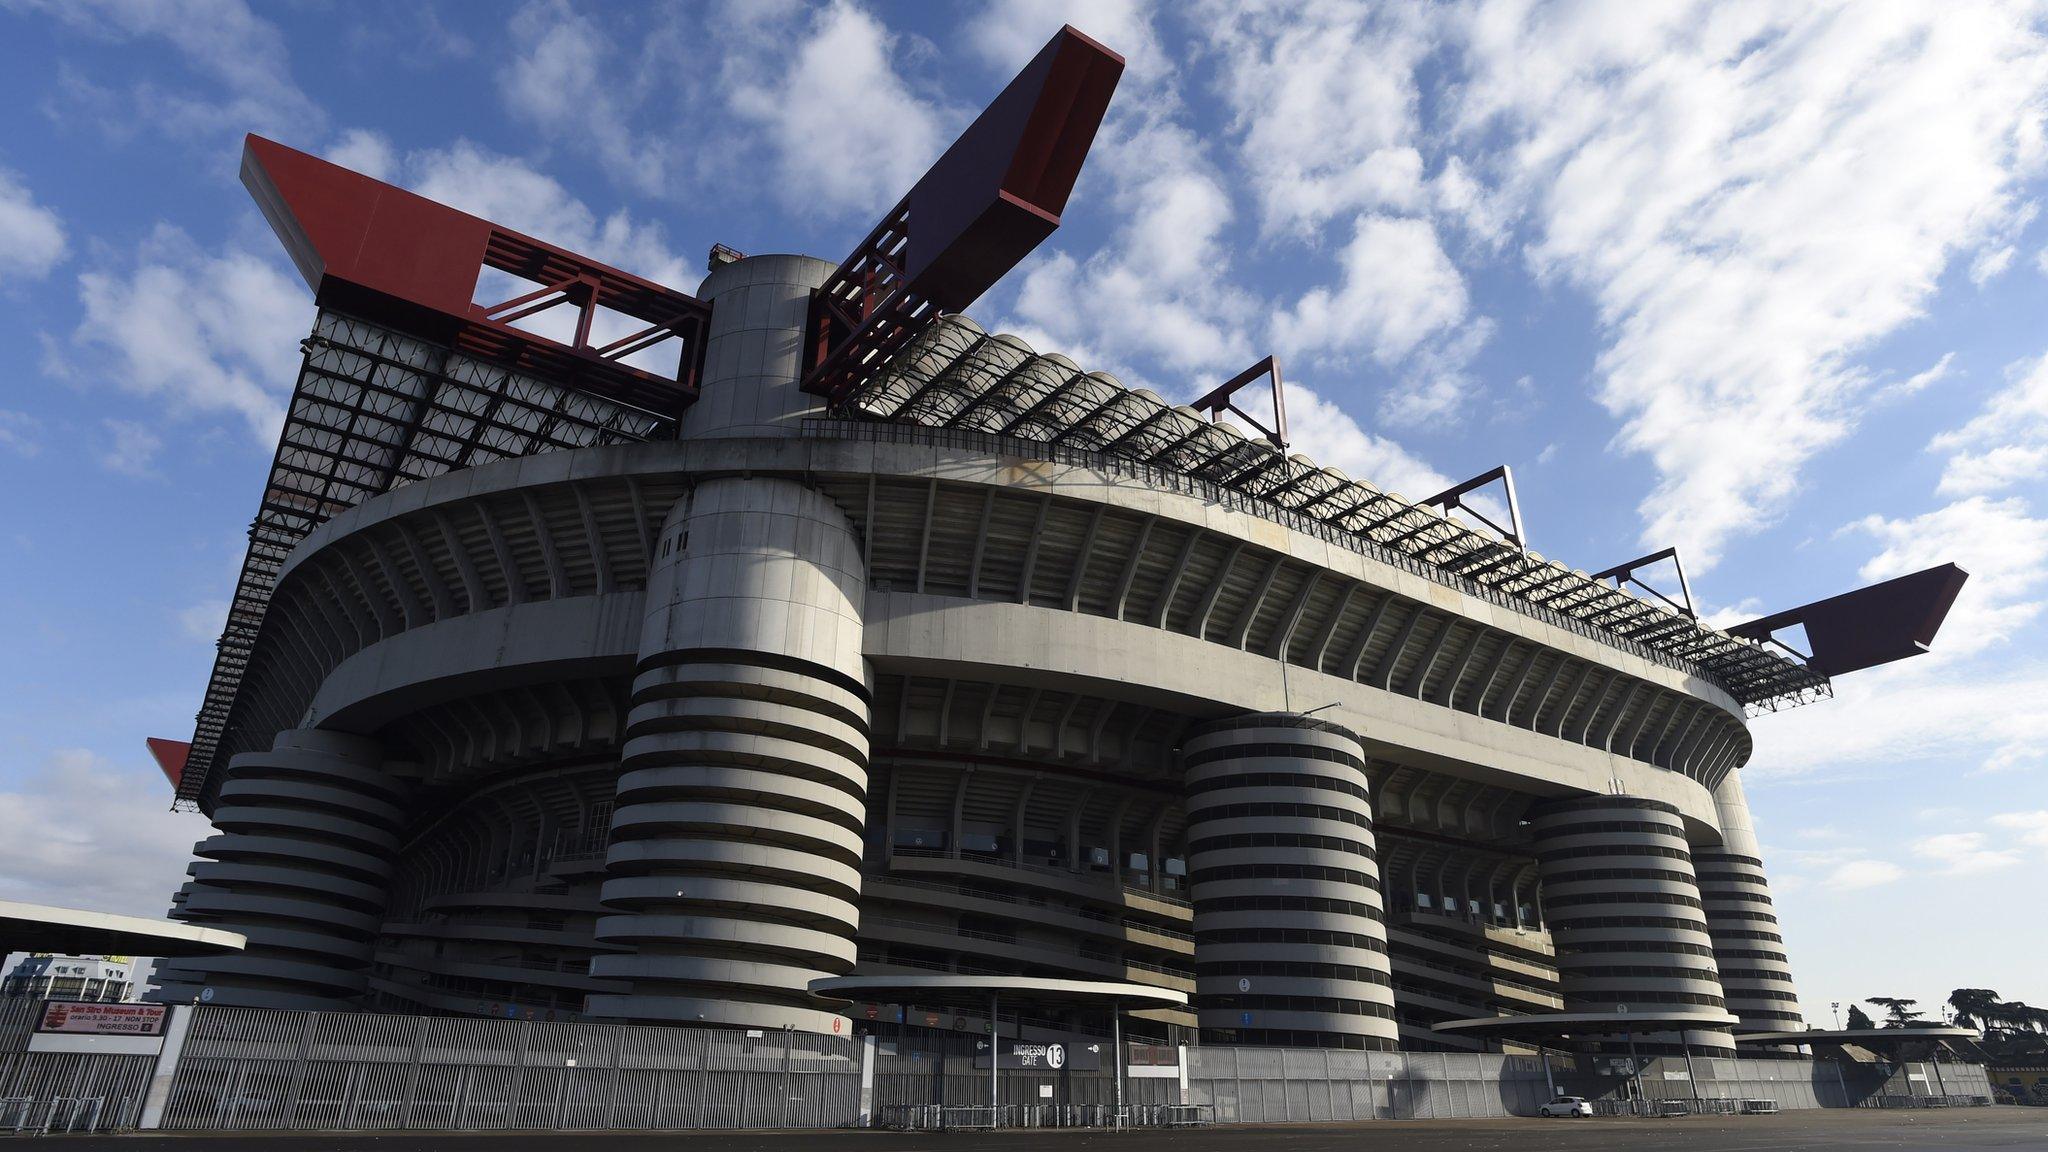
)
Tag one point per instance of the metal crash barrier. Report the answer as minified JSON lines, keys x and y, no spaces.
{"x":946,"y":1117}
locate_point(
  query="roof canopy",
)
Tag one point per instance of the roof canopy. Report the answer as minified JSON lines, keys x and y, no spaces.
{"x":1541,"y":1025}
{"x":74,"y":931}
{"x":1864,"y":1036}
{"x":969,"y":991}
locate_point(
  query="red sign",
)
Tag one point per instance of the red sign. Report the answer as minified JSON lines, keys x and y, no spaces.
{"x":874,"y":1011}
{"x":102,"y":1019}
{"x":836,"y":1022}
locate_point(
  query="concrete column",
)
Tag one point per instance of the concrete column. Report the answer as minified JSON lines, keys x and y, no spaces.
{"x":301,"y":866}
{"x":753,"y":356}
{"x":735,"y":851}
{"x":1625,"y":911}
{"x":1290,"y":927}
{"x":1748,"y":948}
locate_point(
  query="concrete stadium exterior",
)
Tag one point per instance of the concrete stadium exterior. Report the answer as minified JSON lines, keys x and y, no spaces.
{"x":984,"y":668}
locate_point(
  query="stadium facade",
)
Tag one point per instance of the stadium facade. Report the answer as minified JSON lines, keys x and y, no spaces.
{"x":798,"y":654}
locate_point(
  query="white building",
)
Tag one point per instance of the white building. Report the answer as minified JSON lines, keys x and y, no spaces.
{"x":52,"y":977}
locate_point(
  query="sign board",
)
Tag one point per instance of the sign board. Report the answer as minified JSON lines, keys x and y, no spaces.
{"x":1042,"y":1057}
{"x":102,"y":1019}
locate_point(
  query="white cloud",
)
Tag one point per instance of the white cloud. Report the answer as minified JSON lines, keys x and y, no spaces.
{"x":1934,"y":373}
{"x":81,"y":833}
{"x":1998,"y":542}
{"x":20,"y":432}
{"x":1856,"y":875}
{"x":1924,"y":710}
{"x":366,"y":151}
{"x":566,"y":78}
{"x":31,"y":235}
{"x":1324,"y":433}
{"x":204,"y":620}
{"x":2007,"y":442}
{"x":1008,"y":33}
{"x":227,"y":46}
{"x":1159,"y":291}
{"x":1752,"y":196}
{"x":1324,"y":104}
{"x":1399,"y":288}
{"x":200,"y":332}
{"x":1963,"y":853}
{"x":1988,"y":266}
{"x":846,"y":134}
{"x":2031,"y":827}
{"x":130,"y":448}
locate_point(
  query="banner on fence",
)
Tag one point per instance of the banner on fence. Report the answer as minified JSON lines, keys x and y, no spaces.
{"x":101,"y":1019}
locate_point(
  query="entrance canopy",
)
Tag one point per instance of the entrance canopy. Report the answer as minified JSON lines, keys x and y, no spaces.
{"x":1545,"y":1025}
{"x":74,"y":931}
{"x":974,"y":991}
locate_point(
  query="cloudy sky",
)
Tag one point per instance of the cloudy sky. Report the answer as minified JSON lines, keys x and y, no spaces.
{"x":1766,"y":282}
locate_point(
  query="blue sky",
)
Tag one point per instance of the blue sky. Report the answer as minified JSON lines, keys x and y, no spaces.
{"x":1764,"y":282}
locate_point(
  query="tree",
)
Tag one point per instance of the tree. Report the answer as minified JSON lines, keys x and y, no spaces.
{"x":1898,"y":1012}
{"x":1859,"y":1020}
{"x":1975,"y":1007}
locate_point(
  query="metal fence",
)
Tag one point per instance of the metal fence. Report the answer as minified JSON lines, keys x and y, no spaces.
{"x":244,"y":1069}
{"x":63,"y":1091}
{"x":1267,"y":1085}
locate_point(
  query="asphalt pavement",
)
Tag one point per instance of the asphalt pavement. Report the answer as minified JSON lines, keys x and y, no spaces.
{"x":1810,"y":1131}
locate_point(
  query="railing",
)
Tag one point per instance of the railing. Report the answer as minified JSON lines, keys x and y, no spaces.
{"x":1011,"y":939}
{"x":1213,"y":493}
{"x":1083,"y":913}
{"x":1042,"y":870}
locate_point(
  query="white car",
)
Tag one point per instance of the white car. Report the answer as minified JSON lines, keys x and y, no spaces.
{"x":1566,"y":1106}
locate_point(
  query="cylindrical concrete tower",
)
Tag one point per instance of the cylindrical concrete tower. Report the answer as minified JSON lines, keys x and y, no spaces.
{"x":742,"y":799}
{"x":1624,"y":909}
{"x":308,"y":832}
{"x":753,"y":356}
{"x":1748,"y":948}
{"x":1290,"y":929}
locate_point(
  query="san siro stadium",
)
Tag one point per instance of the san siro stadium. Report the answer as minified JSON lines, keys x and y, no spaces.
{"x":800,"y":655}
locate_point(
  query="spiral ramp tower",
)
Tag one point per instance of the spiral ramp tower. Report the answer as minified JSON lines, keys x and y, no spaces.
{"x":737,"y":830}
{"x":1290,"y":927}
{"x":300,"y":865}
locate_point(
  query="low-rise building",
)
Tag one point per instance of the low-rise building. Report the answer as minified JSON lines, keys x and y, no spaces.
{"x":53,"y":977}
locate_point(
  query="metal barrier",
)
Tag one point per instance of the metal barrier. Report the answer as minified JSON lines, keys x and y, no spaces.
{"x":1715,"y":1106}
{"x":938,"y":1117}
{"x":246,"y":1069}
{"x":1760,"y":1107}
{"x":1938,"y":1101}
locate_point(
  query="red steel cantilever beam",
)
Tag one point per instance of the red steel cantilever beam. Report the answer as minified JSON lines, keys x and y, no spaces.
{"x":389,"y":255}
{"x":992,"y":198}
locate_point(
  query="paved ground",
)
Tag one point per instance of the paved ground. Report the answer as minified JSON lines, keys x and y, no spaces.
{"x":2023,"y":1128}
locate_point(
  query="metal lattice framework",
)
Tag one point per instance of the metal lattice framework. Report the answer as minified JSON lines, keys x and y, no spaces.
{"x":956,"y":376}
{"x":374,"y":410}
